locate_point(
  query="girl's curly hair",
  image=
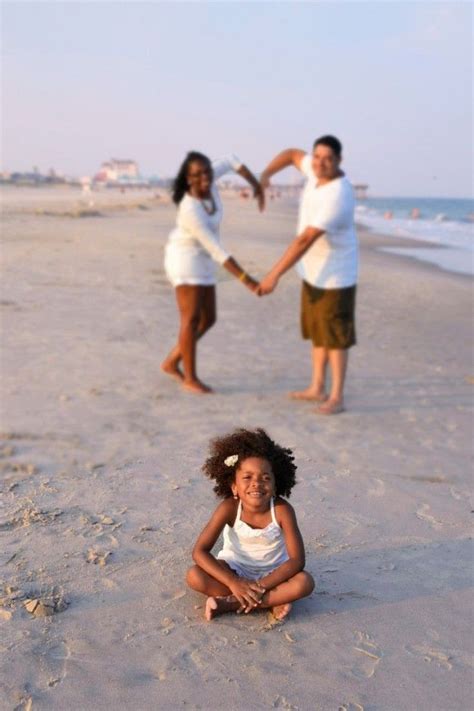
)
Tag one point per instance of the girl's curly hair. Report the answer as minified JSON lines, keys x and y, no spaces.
{"x":249,"y":443}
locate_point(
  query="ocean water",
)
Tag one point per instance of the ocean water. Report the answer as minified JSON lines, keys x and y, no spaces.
{"x":448,"y":223}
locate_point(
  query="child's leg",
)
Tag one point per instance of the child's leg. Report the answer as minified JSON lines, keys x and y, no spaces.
{"x":202,"y":582}
{"x":220,"y":598}
{"x":279,"y":599}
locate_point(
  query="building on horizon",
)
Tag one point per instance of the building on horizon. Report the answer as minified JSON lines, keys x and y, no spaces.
{"x":118,"y":172}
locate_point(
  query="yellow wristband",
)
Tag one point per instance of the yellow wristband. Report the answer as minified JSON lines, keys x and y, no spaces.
{"x":243,"y":276}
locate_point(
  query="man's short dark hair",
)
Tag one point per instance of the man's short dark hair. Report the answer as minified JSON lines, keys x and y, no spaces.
{"x":330,"y":141}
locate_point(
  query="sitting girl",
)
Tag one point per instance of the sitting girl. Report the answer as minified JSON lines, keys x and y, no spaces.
{"x":262,"y":560}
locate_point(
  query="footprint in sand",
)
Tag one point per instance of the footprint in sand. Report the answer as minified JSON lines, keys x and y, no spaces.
{"x":25,"y":703}
{"x":29,"y":515}
{"x":52,"y":655}
{"x":429,"y":653}
{"x":458,"y":494}
{"x":98,"y":557}
{"x":369,"y":655}
{"x":422,"y":513}
{"x":378,"y":489}
{"x":167,"y":625}
{"x":281,"y":703}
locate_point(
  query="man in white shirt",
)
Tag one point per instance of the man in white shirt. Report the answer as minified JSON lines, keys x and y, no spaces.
{"x":325,"y":253}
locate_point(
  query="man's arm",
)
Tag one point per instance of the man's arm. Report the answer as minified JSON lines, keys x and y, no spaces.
{"x":290,"y":156}
{"x":258,"y":193}
{"x":293,"y":254}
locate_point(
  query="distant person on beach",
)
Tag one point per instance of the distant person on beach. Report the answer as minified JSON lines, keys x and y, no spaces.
{"x":261,"y":564}
{"x":325,"y":252}
{"x":191,"y":254}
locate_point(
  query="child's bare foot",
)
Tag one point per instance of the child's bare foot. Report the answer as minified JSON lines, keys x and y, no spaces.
{"x":330,"y":407}
{"x":195,"y":386}
{"x":170,"y":367}
{"x":279,"y":612}
{"x":315,"y":395}
{"x":218,"y":605}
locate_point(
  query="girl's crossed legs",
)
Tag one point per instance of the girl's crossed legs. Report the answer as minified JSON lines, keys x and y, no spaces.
{"x":220,"y":598}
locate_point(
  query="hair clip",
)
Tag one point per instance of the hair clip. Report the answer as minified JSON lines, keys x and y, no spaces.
{"x":231,"y":460}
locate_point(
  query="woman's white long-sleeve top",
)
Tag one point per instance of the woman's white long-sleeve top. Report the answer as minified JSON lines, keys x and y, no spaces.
{"x":194,"y":246}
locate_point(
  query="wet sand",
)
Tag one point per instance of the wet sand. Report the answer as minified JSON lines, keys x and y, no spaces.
{"x":101,"y":495}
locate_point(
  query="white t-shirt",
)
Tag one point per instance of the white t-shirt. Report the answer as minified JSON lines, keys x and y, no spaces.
{"x":332,"y":261}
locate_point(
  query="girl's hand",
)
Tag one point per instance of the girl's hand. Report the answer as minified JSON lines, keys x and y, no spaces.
{"x":248,"y":592}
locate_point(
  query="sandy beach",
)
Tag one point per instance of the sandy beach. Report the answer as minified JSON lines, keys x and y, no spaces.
{"x":101,"y":494}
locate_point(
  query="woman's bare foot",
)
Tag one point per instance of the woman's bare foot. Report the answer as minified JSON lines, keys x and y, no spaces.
{"x":170,"y":367}
{"x":218,"y":605}
{"x":279,"y":612}
{"x":331,"y":407}
{"x":195,"y":386}
{"x":315,"y":395}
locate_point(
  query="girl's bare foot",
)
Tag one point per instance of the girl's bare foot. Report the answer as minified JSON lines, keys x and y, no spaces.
{"x":170,"y":367}
{"x":331,"y":407}
{"x":195,"y":386}
{"x":315,"y":395}
{"x":279,"y":612}
{"x":218,"y":605}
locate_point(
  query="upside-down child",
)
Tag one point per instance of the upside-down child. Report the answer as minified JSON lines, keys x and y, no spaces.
{"x":261,"y":564}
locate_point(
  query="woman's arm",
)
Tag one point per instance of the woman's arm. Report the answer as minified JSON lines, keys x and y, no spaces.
{"x":234,"y":268}
{"x":293,"y":254}
{"x":258,"y":193}
{"x":290,"y":156}
{"x":294,"y":546}
{"x":193,"y":222}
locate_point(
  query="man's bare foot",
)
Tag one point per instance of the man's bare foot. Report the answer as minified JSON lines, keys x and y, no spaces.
{"x":309,"y":394}
{"x":218,"y":605}
{"x":279,"y":612}
{"x":195,"y":386}
{"x":331,"y":407}
{"x":171,"y":368}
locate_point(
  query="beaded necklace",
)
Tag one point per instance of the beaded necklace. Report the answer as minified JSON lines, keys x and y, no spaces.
{"x":212,"y":209}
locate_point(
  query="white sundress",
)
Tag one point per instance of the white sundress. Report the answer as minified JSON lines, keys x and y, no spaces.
{"x":253,"y":552}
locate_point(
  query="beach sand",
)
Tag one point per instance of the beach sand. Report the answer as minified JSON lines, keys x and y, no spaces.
{"x":101,"y":494}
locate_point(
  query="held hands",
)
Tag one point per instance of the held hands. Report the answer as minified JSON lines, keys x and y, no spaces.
{"x":267,"y":285}
{"x":249,"y":593}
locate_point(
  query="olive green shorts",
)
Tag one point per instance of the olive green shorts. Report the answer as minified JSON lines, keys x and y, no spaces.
{"x":328,"y":316}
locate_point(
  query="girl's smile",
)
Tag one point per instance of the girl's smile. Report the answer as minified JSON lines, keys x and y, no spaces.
{"x":254,"y":482}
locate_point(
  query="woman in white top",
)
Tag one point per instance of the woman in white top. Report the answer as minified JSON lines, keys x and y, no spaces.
{"x":191,"y":254}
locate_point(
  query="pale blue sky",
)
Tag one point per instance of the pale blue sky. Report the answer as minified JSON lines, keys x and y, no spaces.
{"x":86,"y":81}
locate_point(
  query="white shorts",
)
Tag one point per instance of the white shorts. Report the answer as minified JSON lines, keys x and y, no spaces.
{"x":244,"y":571}
{"x":187,"y":264}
